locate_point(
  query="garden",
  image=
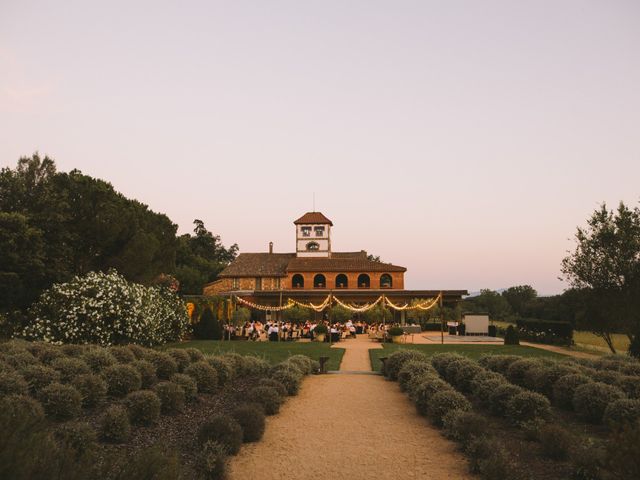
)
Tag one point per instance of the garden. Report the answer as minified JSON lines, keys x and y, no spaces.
{"x":529,"y":417}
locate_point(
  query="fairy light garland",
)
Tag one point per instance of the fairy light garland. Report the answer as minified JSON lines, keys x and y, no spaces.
{"x":265,"y":308}
{"x":358,"y":309}
{"x":425,"y":305}
{"x":317,"y":308}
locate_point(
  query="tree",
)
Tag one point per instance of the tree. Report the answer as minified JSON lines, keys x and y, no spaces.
{"x":519,"y":297}
{"x":208,"y":327}
{"x":200,"y":258}
{"x":374,"y":258}
{"x":491,"y":302}
{"x":606,"y":266}
{"x":297,"y":314}
{"x":339,"y":314}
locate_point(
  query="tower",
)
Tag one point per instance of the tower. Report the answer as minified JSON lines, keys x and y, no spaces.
{"x":313,"y":235}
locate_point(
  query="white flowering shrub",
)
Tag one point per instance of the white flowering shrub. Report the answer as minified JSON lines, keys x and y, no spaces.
{"x":106,"y":309}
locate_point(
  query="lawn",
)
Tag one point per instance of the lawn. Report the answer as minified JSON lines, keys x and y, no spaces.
{"x":472,"y":351}
{"x":273,"y":352}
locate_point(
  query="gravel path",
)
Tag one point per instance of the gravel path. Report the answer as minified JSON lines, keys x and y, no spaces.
{"x":356,"y":427}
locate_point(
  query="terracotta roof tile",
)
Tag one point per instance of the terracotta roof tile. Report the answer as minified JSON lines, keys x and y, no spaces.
{"x":340,"y":265}
{"x":313,"y":217}
{"x":258,"y":265}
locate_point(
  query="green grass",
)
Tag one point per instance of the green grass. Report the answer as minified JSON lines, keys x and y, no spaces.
{"x":471,"y":351}
{"x":273,"y":352}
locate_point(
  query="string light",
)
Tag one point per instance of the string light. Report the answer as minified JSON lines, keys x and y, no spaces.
{"x":364,"y":308}
{"x":425,"y":305}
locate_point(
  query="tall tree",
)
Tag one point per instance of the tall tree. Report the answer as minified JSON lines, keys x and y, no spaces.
{"x":200,"y":258}
{"x":606,"y":266}
{"x":519,"y":297}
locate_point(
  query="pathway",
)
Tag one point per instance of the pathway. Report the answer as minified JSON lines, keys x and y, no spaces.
{"x":356,"y":427}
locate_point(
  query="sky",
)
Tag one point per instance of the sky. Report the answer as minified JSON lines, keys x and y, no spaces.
{"x":464,"y":140}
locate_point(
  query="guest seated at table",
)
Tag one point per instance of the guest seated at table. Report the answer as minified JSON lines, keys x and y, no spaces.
{"x":273,"y":332}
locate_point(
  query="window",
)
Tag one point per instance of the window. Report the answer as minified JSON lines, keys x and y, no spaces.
{"x":277,"y":282}
{"x":297,"y":281}
{"x":319,"y":281}
{"x":306,"y":231}
{"x":385,"y":281}
{"x":364,"y":281}
{"x":313,"y":246}
{"x":258,"y":283}
{"x":342,"y":281}
{"x":319,"y":231}
{"x":235,"y":283}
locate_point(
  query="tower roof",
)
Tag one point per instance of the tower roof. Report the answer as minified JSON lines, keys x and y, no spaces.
{"x":313,"y":218}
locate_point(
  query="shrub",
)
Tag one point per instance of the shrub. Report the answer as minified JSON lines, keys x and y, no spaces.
{"x":445,"y":401}
{"x":61,"y":402}
{"x":302,"y":362}
{"x":205,"y":376}
{"x":541,"y":379}
{"x":157,"y":462}
{"x":500,"y":397}
{"x":622,"y":413}
{"x":555,"y":441}
{"x":528,"y":406}
{"x":114,"y":425}
{"x":565,"y":387}
{"x":153,"y":315}
{"x":223,"y":429}
{"x":19,"y":411}
{"x":441,"y":361}
{"x":48,"y":353}
{"x":547,"y":331}
{"x":270,"y":382}
{"x":194,"y":354}
{"x":268,"y":397}
{"x":181,"y":358}
{"x":188,"y":385}
{"x":223,"y":367}
{"x":396,"y":361}
{"x":147,"y":373}
{"x":236,"y":359}
{"x":607,"y":376}
{"x":72,"y":350}
{"x":630,"y":384}
{"x":463,"y":426}
{"x":253,"y":366}
{"x":498,"y":363}
{"x":517,"y":370}
{"x":92,"y":388}
{"x":70,"y":367}
{"x":212,"y":461}
{"x":424,"y":391}
{"x":172,"y":397}
{"x":622,"y":459}
{"x":591,"y":399}
{"x":409,"y":371}
{"x":491,"y":460}
{"x":79,"y":437}
{"x":164,"y":363}
{"x":290,"y":378}
{"x":631,"y":369}
{"x":482,"y":377}
{"x":251,"y":418}
{"x":11,"y":383}
{"x":98,"y":359}
{"x":122,"y":354}
{"x":138,"y":351}
{"x":39,"y":376}
{"x":511,"y":336}
{"x":143,"y":407}
{"x":483,"y":390}
{"x":122,"y":379}
{"x":465,"y":376}
{"x":587,"y":460}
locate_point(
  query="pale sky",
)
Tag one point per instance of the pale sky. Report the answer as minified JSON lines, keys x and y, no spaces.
{"x":464,"y":140}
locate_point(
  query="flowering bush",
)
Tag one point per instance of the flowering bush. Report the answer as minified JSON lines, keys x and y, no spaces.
{"x":106,"y":309}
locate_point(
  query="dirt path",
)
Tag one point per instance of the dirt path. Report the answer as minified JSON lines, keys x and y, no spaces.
{"x":349,"y":426}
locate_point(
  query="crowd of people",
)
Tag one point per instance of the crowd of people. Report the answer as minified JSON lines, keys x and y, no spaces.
{"x":288,"y":331}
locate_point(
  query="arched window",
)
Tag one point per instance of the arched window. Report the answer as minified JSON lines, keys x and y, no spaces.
{"x":342,"y":281}
{"x":319,"y":281}
{"x":364,"y":281}
{"x":313,"y":246}
{"x":385,"y":281}
{"x":297,"y":281}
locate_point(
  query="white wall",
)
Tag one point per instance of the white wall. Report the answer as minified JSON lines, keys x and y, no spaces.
{"x":476,"y":324}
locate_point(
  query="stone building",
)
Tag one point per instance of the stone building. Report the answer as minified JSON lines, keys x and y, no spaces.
{"x":314,"y":270}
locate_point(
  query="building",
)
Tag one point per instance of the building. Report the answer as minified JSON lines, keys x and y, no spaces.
{"x":314,"y":271}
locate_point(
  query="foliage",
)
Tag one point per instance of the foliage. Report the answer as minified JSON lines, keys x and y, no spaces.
{"x":122,"y":379}
{"x":296,"y":314}
{"x":223,"y":429}
{"x":290,"y":378}
{"x":266,"y":396}
{"x":464,"y":426}
{"x":212,"y":461}
{"x":622,"y":413}
{"x":410,"y":370}
{"x":143,"y":407}
{"x":240,"y":316}
{"x":545,"y":331}
{"x":275,"y":384}
{"x":181,"y":358}
{"x":61,"y":402}
{"x":164,"y":364}
{"x":147,"y":372}
{"x":445,"y":401}
{"x":565,"y":387}
{"x":172,"y":397}
{"x":397,"y":360}
{"x":208,"y":326}
{"x":12,"y":383}
{"x":66,"y":224}
{"x":377,"y":314}
{"x":200,"y":258}
{"x":205,"y":376}
{"x":38,"y":377}
{"x":92,"y":388}
{"x":396,"y":331}
{"x":188,"y":385}
{"x":224,"y":367}
{"x":250,"y":417}
{"x":491,"y":302}
{"x":555,"y":441}
{"x":106,"y":309}
{"x":528,"y":406}
{"x":511,"y":336}
{"x":591,"y":400}
{"x":606,"y":266}
{"x":339,"y":314}
{"x":489,"y":458}
{"x":114,"y":425}
{"x":519,"y":297}
{"x":320,"y":329}
{"x":98,"y":359}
